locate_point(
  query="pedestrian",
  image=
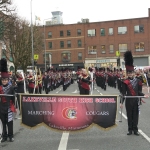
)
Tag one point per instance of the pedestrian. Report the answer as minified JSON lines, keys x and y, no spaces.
{"x":131,"y":87}
{"x":6,"y":104}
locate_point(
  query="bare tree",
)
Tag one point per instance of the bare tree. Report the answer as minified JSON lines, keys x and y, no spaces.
{"x":6,"y":10}
{"x":18,"y":42}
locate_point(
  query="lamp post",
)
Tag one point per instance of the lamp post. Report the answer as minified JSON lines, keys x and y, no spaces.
{"x":96,"y":58}
{"x":32,"y":40}
{"x":45,"y":39}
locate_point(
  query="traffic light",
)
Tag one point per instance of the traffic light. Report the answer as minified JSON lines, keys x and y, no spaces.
{"x":118,"y":62}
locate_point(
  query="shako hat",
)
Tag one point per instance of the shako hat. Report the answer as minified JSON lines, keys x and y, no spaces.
{"x":4,"y":70}
{"x":128,"y":58}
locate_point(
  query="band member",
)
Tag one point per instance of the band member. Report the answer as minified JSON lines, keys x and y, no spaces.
{"x":20,"y":87}
{"x":31,"y":81}
{"x":45,"y":81}
{"x":79,"y":74}
{"x":131,"y":87}
{"x":6,"y":104}
{"x":85,"y":82}
{"x":39,"y":78}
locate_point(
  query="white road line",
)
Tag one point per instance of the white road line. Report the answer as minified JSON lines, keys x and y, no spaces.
{"x":139,"y":130}
{"x":144,"y":135}
{"x":59,"y":90}
{"x":75,"y":91}
{"x":100,"y":93}
{"x":63,"y":141}
{"x":123,"y":115}
{"x":72,"y":149}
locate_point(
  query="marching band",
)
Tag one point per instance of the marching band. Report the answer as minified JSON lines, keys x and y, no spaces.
{"x":53,"y":78}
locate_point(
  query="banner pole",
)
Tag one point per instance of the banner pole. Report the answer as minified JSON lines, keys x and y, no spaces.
{"x":121,"y":109}
{"x":1,"y":130}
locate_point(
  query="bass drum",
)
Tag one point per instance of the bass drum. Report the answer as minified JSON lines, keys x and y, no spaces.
{"x":1,"y":130}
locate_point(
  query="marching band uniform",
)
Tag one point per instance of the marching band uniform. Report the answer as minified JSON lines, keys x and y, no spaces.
{"x":39,"y":78}
{"x":130,"y":87}
{"x":6,"y":104}
{"x":31,"y":83}
{"x":20,"y":87}
{"x":85,"y":83}
{"x":45,"y":81}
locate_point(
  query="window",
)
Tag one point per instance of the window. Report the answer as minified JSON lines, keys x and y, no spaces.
{"x":79,"y":56}
{"x":102,"y":32}
{"x":68,"y":33}
{"x":111,"y":48}
{"x":122,"y":47}
{"x":61,"y":33}
{"x":111,"y":31}
{"x":61,"y":44}
{"x":50,"y":45}
{"x":122,"y":30}
{"x":138,"y":29}
{"x":66,"y":56}
{"x":103,"y":49}
{"x":68,"y":43}
{"x":49,"y":34}
{"x":79,"y":32}
{"x":139,"y":46}
{"x":92,"y":50}
{"x":79,"y":43}
{"x":92,"y":32}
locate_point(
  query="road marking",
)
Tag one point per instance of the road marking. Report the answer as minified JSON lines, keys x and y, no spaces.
{"x":63,"y":141}
{"x":144,"y":135}
{"x":123,"y":115}
{"x":139,"y":130}
{"x":75,"y":91}
{"x":100,"y":93}
{"x":58,"y":90}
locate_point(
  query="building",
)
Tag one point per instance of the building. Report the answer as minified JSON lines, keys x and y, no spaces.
{"x":95,"y":43}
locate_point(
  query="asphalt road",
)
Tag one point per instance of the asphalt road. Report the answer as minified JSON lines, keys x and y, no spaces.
{"x":94,"y":138}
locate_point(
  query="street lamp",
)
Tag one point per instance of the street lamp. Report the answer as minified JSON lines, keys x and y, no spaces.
{"x":96,"y":58}
{"x":45,"y":39}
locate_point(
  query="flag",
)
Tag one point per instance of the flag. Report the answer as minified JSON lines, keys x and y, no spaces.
{"x":37,"y":18}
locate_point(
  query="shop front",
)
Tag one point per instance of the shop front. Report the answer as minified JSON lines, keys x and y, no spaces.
{"x":72,"y":66}
{"x":106,"y":63}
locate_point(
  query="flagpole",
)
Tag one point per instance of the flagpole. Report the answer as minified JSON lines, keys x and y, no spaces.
{"x":32,"y":40}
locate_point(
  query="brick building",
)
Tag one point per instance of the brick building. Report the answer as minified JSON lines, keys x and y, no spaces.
{"x":95,"y":44}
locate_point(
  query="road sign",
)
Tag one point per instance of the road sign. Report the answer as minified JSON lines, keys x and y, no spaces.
{"x":36,"y":57}
{"x":117,"y":53}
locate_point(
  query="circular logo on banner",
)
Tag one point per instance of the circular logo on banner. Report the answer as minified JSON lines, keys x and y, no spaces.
{"x":69,"y":113}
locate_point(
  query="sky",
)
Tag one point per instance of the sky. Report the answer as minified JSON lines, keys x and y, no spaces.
{"x":75,"y":10}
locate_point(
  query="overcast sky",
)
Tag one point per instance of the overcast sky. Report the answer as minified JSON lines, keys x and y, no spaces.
{"x":74,"y":10}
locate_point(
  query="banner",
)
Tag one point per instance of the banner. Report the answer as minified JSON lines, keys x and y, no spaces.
{"x":68,"y":113}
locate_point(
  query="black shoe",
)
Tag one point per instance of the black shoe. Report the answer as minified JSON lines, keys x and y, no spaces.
{"x":11,"y":139}
{"x":129,"y":133}
{"x":136,"y":133}
{"x":4,"y":139}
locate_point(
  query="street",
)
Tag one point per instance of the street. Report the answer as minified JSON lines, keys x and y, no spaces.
{"x":92,"y":138}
